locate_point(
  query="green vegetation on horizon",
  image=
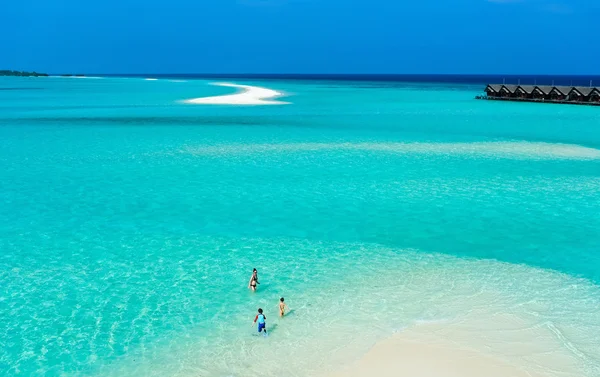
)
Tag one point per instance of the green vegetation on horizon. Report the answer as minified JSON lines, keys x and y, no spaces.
{"x":21,"y":73}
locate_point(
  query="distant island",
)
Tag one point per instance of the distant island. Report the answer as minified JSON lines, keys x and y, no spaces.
{"x":22,"y":73}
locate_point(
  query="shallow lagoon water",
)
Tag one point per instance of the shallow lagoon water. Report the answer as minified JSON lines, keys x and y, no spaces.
{"x":131,"y":223}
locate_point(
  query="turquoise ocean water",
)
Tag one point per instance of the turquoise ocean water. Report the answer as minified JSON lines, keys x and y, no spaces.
{"x":130,"y":223}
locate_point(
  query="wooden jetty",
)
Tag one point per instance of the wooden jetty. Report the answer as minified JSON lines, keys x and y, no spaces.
{"x":574,"y":95}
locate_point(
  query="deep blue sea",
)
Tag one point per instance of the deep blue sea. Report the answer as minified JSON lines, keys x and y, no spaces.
{"x":130,"y":222}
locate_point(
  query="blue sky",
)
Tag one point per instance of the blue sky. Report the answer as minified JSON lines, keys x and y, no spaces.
{"x":301,"y":36}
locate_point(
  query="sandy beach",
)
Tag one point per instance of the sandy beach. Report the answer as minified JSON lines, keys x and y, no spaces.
{"x":405,"y":355}
{"x":511,"y":348}
{"x":247,"y":95}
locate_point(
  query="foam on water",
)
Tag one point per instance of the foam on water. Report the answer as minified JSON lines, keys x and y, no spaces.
{"x":510,"y":150}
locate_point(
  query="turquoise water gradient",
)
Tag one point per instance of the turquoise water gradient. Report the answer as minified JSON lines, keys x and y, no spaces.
{"x":130,"y":221}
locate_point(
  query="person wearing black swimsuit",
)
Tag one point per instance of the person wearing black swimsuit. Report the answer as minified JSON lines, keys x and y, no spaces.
{"x":253,"y":280}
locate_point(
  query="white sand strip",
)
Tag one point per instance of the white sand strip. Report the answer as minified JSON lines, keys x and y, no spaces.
{"x":78,"y":77}
{"x":439,"y":351}
{"x":397,"y":357}
{"x":247,"y":95}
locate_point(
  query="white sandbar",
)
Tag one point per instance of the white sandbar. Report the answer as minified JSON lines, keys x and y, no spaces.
{"x":248,"y":95}
{"x":437,"y":350}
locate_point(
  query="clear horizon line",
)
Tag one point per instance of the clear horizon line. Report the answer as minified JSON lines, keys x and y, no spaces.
{"x":333,"y":74}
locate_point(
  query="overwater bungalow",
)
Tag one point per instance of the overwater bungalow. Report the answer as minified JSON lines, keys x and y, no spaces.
{"x":589,"y":94}
{"x":543,"y":93}
{"x":559,"y":93}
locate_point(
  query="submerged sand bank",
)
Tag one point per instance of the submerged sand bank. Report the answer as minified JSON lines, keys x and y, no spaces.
{"x":411,"y":314}
{"x":248,"y":95}
{"x":516,"y":150}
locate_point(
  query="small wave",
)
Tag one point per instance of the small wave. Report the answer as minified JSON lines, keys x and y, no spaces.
{"x":508,"y":150}
{"x":150,"y":79}
{"x":248,"y":95}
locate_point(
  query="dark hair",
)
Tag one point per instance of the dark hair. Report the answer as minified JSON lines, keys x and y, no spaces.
{"x":254,"y":270}
{"x":260,"y":310}
{"x":281,"y":299}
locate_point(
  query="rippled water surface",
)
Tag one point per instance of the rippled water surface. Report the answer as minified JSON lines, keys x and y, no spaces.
{"x":130,"y":222}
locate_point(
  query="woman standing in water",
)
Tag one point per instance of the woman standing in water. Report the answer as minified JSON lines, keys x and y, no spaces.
{"x":253,"y":280}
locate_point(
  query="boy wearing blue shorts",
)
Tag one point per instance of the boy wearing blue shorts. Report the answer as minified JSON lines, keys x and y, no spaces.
{"x":261,"y":319}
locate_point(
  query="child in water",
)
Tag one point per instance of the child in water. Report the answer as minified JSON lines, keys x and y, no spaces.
{"x":261,"y":319}
{"x":282,"y":307}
